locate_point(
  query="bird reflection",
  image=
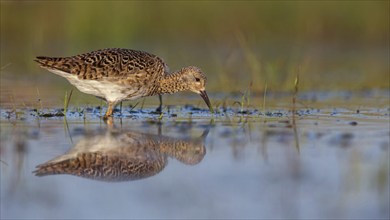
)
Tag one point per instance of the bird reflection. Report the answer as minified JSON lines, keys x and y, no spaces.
{"x":124,"y":156}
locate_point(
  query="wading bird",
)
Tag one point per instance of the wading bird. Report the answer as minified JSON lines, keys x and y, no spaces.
{"x":118,"y":74}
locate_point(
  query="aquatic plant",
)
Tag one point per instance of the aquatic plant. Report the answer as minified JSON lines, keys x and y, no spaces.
{"x":40,"y":107}
{"x":142,"y":104}
{"x":294,"y":100}
{"x":160,"y":117}
{"x":14,"y":109}
{"x":132,"y":107}
{"x":66,"y":101}
{"x":264,"y":96}
{"x":245,"y":100}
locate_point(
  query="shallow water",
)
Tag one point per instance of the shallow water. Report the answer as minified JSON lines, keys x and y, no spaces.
{"x":333,"y":163}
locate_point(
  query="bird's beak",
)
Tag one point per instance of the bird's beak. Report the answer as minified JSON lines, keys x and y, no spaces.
{"x":203,"y":94}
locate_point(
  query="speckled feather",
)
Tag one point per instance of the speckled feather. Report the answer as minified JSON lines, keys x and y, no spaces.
{"x":114,"y":63}
{"x":124,"y":74}
{"x":102,"y":166}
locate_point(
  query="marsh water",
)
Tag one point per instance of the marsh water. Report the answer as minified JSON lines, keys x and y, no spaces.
{"x":328,"y":161}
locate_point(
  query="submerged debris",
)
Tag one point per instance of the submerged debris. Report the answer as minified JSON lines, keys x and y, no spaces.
{"x":51,"y":114}
{"x":353,"y":123}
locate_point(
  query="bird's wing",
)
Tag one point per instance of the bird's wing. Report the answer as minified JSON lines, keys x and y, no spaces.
{"x":107,"y":64}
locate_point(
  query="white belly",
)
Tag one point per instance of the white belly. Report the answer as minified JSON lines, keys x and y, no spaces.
{"x":105,"y":89}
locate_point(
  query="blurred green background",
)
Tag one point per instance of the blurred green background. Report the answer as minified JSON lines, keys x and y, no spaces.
{"x":332,"y":44}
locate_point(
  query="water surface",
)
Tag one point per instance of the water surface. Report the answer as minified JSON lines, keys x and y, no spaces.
{"x":333,"y":163}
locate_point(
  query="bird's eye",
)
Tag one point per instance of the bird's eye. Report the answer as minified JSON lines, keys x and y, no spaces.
{"x":197,"y":79}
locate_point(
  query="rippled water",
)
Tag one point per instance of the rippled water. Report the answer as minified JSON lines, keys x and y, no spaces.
{"x":333,"y":163}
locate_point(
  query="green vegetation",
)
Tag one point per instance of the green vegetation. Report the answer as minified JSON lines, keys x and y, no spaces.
{"x":40,"y":107}
{"x":340,"y":45}
{"x":66,"y":101}
{"x":264,"y":96}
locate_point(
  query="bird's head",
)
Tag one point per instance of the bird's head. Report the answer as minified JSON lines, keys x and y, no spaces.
{"x":195,"y":81}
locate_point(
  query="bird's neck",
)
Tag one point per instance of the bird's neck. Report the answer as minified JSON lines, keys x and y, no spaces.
{"x":171,"y":83}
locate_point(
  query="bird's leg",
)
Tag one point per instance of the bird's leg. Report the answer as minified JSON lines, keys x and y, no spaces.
{"x":110,"y":109}
{"x":159,"y":109}
{"x":109,"y":121}
{"x":107,"y":118}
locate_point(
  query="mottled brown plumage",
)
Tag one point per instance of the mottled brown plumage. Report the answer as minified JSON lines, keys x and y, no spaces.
{"x":116,"y":156}
{"x":124,"y":74}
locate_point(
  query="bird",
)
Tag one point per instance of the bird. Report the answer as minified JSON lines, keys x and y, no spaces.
{"x":116,"y":155}
{"x":117,"y":74}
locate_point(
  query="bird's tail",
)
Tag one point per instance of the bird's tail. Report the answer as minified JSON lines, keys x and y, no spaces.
{"x":52,"y":168}
{"x":57,"y":63}
{"x":45,"y":61}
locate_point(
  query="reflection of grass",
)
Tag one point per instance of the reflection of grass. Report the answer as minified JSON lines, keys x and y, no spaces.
{"x":66,"y":129}
{"x":4,"y":162}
